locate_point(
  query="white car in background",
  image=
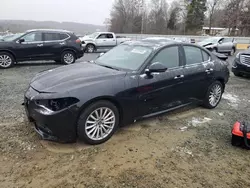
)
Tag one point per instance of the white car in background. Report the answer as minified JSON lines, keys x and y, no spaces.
{"x":101,"y":40}
{"x":184,"y":39}
{"x":220,"y":44}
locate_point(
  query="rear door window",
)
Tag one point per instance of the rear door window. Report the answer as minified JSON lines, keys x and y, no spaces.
{"x":193,"y":55}
{"x":52,"y":36}
{"x":63,"y":36}
{"x":206,"y":56}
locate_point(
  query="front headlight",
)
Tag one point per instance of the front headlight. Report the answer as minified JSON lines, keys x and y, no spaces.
{"x":56,"y":104}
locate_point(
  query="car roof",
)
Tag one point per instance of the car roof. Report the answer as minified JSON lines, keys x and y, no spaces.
{"x":50,"y":30}
{"x":155,"y":44}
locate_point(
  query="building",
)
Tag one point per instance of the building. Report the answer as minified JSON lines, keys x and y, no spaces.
{"x":217,"y":31}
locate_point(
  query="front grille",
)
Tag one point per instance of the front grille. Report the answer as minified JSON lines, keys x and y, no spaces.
{"x":245,"y":59}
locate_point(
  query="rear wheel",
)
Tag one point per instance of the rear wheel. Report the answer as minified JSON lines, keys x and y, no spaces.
{"x":6,"y":60}
{"x":213,"y":96}
{"x":68,"y":57}
{"x":98,"y":122}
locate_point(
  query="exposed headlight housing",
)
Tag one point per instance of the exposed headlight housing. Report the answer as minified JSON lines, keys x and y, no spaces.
{"x":238,"y":55}
{"x":54,"y":105}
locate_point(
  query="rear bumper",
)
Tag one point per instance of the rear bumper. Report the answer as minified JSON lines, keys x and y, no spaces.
{"x":240,"y":68}
{"x":80,"y":53}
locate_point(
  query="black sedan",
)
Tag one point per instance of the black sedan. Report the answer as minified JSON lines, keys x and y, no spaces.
{"x":135,"y":80}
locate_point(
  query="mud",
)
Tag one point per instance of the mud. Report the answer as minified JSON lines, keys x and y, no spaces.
{"x":185,"y":148}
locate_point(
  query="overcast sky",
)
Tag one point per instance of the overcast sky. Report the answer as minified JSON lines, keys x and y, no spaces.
{"x":84,"y":11}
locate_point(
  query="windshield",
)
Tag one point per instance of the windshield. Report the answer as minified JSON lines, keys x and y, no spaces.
{"x":211,"y":40}
{"x":11,"y":37}
{"x":124,"y":56}
{"x":93,"y":35}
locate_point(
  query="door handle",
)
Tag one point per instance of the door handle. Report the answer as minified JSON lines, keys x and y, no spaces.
{"x":62,"y":43}
{"x":209,"y":70}
{"x":179,"y":76}
{"x":40,"y":45}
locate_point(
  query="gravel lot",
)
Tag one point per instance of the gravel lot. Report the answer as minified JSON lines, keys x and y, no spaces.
{"x":186,"y":148}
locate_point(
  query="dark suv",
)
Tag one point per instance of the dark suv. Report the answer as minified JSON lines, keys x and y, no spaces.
{"x":241,"y":64}
{"x":43,"y":44}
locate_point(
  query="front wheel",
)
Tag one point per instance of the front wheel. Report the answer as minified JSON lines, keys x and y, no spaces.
{"x":6,"y":60}
{"x":98,"y":122}
{"x":213,"y":96}
{"x":90,"y":48}
{"x":68,"y":57}
{"x":231,"y":53}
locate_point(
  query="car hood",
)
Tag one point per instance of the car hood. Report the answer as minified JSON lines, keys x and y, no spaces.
{"x":67,"y":78}
{"x":4,"y":43}
{"x":245,"y":52}
{"x":204,"y":44}
{"x":86,"y":38}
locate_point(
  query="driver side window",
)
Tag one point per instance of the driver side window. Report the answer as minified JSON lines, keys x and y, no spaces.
{"x":168,"y":56}
{"x":102,"y":36}
{"x":33,"y":37}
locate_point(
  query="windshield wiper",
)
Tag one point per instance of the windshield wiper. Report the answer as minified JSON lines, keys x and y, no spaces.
{"x":109,"y":67}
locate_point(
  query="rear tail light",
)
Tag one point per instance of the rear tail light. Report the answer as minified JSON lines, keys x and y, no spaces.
{"x":78,"y":41}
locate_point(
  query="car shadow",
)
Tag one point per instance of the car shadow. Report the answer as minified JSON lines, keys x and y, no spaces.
{"x":37,"y":64}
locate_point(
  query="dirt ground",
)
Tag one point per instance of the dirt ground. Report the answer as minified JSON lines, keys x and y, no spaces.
{"x":186,"y":148}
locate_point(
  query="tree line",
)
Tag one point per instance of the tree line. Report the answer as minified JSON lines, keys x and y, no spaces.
{"x":179,"y":17}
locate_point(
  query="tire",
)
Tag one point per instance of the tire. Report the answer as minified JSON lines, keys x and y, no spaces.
{"x":236,"y":141}
{"x":90,"y":135}
{"x":90,"y":48}
{"x":68,"y":57}
{"x":6,"y":60}
{"x":216,"y":88}
{"x":237,"y":74}
{"x":232,"y":52}
{"x":214,"y":50}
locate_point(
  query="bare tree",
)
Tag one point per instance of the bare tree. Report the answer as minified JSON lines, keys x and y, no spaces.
{"x":212,"y":7}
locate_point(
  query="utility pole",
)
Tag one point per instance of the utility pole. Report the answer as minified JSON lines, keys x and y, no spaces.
{"x":142,"y":16}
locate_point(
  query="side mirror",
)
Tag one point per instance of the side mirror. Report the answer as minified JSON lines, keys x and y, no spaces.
{"x":156,"y":67}
{"x":101,"y":54}
{"x":220,"y":42}
{"x":21,"y":41}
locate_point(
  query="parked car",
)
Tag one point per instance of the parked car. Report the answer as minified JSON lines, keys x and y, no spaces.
{"x":102,"y":40}
{"x":157,"y":39}
{"x":241,"y":64}
{"x":46,"y":44}
{"x":135,"y":80}
{"x":183,"y":39}
{"x":220,"y":44}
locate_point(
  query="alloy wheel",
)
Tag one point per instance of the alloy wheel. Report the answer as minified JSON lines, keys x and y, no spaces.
{"x":100,"y":123}
{"x":90,"y":49}
{"x":215,"y":95}
{"x":5,"y":61}
{"x":68,"y":58}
